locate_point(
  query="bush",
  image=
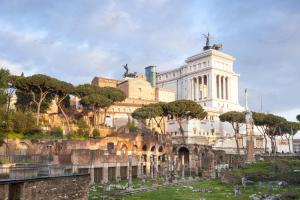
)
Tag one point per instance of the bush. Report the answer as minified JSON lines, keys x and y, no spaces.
{"x":278,"y":169}
{"x":96,"y":133}
{"x":33,"y":131}
{"x":132,"y":127}
{"x":83,"y":128}
{"x":76,"y":136}
{"x":56,"y":132}
{"x":23,"y":122}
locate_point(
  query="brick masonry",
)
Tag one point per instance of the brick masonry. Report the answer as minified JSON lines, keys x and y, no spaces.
{"x":55,"y":188}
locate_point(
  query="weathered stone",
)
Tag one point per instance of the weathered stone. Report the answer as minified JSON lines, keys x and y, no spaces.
{"x":282,"y":184}
{"x":54,"y":188}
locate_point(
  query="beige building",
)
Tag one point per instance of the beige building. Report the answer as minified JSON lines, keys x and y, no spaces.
{"x":105,"y":82}
{"x":138,"y":88}
{"x":138,"y":92}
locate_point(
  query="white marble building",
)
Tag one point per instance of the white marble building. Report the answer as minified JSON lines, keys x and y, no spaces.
{"x":209,"y":79}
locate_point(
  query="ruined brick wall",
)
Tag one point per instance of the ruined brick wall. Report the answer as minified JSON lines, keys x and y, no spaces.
{"x":69,"y":187}
{"x":55,"y":188}
{"x":3,"y":192}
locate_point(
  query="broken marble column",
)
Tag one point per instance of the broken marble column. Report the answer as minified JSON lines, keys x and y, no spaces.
{"x":118,"y":167}
{"x":105,"y":173}
{"x":152,"y":166}
{"x":249,"y":131}
{"x":155,"y":168}
{"x":139,"y":167}
{"x":92,"y":174}
{"x":148,"y":164}
{"x":129,"y":171}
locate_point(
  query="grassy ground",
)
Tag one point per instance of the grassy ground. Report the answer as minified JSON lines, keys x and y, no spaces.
{"x":261,"y":172}
{"x":14,"y":135}
{"x":219,"y":190}
{"x":96,"y":191}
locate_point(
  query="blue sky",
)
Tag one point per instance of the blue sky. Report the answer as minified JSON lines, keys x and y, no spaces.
{"x":77,"y":40}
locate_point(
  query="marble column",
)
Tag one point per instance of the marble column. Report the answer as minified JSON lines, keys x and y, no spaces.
{"x":190,"y":165}
{"x":202,"y":86}
{"x":155,"y":166}
{"x":151,"y":166}
{"x":148,"y":164}
{"x":130,"y":171}
{"x":222,"y":87}
{"x":208,"y":86}
{"x":105,"y":173}
{"x":92,"y":174}
{"x":140,"y":167}
{"x":229,"y":88}
{"x":218,"y":86}
{"x":197,"y":89}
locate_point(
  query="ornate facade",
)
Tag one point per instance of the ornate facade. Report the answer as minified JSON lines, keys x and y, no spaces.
{"x":209,"y":79}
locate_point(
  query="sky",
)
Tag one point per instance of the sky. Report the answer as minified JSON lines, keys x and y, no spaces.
{"x":77,"y":40}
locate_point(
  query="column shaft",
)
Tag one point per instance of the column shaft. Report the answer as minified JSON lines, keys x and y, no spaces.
{"x":202,"y":82}
{"x":197,"y":89}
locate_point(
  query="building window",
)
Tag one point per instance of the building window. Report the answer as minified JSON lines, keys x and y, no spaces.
{"x":173,"y":74}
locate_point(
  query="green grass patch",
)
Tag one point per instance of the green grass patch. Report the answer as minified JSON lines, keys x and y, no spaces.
{"x":14,"y":135}
{"x":219,"y":190}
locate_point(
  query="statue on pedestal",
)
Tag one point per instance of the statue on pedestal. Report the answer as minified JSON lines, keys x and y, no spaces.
{"x":127,"y":74}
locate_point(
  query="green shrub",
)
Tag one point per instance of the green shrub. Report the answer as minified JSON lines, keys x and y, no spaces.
{"x":32,"y":131}
{"x":23,"y":122}
{"x":96,"y":133}
{"x":83,"y":128}
{"x":131,"y":126}
{"x":278,"y":169}
{"x":56,"y":132}
{"x":76,"y":136}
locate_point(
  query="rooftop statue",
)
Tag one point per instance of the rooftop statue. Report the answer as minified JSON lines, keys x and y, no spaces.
{"x":207,"y":44}
{"x":127,"y":74}
{"x":207,"y":37}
